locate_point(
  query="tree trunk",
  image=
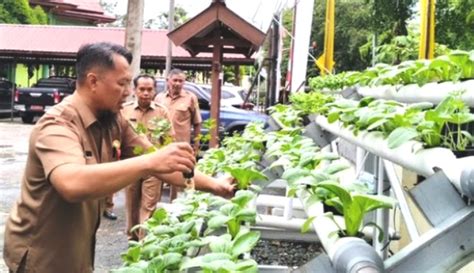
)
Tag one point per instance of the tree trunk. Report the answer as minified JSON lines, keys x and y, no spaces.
{"x":133,"y":32}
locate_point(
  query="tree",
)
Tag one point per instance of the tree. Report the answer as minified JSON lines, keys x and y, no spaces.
{"x":20,"y":12}
{"x":110,"y":7}
{"x":455,"y":23}
{"x":390,"y":15}
{"x":352,"y":30}
{"x":161,"y":21}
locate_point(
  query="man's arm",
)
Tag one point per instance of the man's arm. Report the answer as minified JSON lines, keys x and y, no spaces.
{"x":78,"y":182}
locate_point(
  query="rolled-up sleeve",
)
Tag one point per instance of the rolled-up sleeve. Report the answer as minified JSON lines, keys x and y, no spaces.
{"x":57,"y":145}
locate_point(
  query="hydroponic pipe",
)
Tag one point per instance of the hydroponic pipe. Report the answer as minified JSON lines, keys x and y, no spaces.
{"x":349,"y":254}
{"x":412,"y":156}
{"x":354,"y":255}
{"x":412,"y":93}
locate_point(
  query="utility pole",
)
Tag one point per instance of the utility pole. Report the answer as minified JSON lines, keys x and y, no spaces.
{"x":273,"y":58}
{"x":169,"y":52}
{"x":133,"y":32}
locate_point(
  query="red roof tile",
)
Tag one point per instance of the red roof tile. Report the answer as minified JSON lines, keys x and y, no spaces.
{"x":68,"y":39}
{"x":86,"y":10}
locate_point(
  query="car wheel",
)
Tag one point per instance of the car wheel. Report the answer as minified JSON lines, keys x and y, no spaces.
{"x":27,"y":118}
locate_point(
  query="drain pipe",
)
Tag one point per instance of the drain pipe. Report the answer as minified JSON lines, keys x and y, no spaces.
{"x":348,"y":254}
{"x":412,"y":156}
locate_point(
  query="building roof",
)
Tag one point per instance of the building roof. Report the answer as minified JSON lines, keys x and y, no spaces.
{"x":218,"y":26}
{"x":47,"y":43}
{"x":82,"y":10}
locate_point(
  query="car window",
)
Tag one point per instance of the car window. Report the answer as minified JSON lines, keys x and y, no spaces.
{"x":227,"y":95}
{"x":224,"y":93}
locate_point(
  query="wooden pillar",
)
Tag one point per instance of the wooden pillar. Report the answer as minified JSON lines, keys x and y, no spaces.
{"x":216,"y":93}
{"x":237,"y":75}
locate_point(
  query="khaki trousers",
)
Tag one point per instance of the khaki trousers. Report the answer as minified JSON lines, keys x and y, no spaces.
{"x":109,"y":203}
{"x":140,"y":203}
{"x":174,"y":190}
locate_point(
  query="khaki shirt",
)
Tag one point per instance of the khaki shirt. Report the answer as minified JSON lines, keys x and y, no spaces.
{"x":52,"y":234}
{"x":134,"y":114}
{"x":184,"y":112}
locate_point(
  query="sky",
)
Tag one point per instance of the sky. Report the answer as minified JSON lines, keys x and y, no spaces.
{"x":257,"y":12}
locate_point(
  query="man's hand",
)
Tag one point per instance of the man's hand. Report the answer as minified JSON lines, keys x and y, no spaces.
{"x":175,"y":157}
{"x":224,"y":187}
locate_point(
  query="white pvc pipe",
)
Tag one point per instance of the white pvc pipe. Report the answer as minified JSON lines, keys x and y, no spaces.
{"x":265,"y":220}
{"x":277,"y":201}
{"x":288,"y":209}
{"x":430,"y":92}
{"x":410,"y":155}
{"x":325,"y":228}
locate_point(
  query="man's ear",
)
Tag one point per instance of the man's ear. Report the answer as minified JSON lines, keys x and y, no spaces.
{"x":92,"y":80}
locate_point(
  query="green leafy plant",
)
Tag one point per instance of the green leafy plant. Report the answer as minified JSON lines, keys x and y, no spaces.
{"x":354,"y":206}
{"x":225,"y":253}
{"x":244,"y":176}
{"x":233,"y":214}
{"x":208,"y":124}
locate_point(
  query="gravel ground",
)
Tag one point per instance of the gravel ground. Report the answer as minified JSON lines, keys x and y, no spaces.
{"x":291,"y":254}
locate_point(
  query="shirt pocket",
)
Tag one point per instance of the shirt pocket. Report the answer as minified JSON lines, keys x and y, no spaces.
{"x":182,"y":113}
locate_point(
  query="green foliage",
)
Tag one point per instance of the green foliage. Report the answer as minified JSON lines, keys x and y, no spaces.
{"x":174,"y":239}
{"x":244,"y":176}
{"x":352,"y":27}
{"x":311,"y":103}
{"x":454,"y":23}
{"x":355,"y":205}
{"x":20,"y":12}
{"x":208,"y":124}
{"x":233,"y":214}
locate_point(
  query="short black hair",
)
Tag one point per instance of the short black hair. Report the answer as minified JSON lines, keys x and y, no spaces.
{"x":98,"y":55}
{"x":175,"y":71}
{"x":145,"y":76}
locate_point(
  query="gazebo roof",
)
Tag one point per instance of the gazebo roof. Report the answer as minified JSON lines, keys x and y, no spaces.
{"x":236,"y":34}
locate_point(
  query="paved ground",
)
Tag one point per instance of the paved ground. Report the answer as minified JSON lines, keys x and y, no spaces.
{"x":111,"y":239}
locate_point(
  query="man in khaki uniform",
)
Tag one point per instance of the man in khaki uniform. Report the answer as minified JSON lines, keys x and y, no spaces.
{"x":141,"y":197}
{"x":184,"y":111}
{"x":72,"y":165}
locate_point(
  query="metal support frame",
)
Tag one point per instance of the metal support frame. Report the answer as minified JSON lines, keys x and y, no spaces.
{"x":441,"y":249}
{"x":402,"y":201}
{"x":449,"y":244}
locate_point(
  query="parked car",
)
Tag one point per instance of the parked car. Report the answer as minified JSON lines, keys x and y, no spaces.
{"x":36,"y":100}
{"x":6,"y":88}
{"x":231,"y":95}
{"x":232,"y":119}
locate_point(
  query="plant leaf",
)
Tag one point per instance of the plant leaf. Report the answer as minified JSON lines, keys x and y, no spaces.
{"x":401,"y":135}
{"x":307,"y":224}
{"x":245,"y":243}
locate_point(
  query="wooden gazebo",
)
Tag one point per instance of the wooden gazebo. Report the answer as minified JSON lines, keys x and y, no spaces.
{"x":219,"y":30}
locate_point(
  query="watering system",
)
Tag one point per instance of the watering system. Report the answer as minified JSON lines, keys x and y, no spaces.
{"x":412,"y":156}
{"x":412,"y":93}
{"x":347,"y":254}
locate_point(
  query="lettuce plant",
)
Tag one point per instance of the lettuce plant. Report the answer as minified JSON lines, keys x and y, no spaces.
{"x":224,"y":254}
{"x":353,"y":206}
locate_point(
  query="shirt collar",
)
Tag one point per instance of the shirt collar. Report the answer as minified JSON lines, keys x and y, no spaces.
{"x":85,"y":113}
{"x":136,"y":106}
{"x":180,"y":94}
